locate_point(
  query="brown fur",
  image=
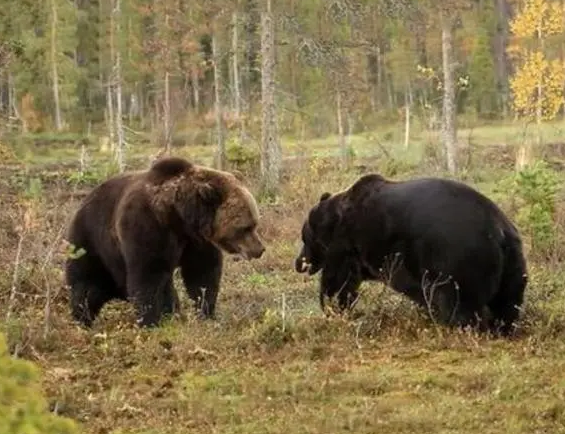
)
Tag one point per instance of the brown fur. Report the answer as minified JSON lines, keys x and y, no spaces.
{"x":138,"y":227}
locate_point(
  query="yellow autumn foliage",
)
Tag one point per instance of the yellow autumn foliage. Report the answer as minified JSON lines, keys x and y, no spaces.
{"x":538,"y":18}
{"x":538,"y":81}
{"x":535,"y":70}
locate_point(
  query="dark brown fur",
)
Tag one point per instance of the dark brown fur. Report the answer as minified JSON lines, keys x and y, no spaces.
{"x":137,"y":228}
{"x":441,"y":243}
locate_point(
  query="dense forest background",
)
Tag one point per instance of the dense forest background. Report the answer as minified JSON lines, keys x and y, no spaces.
{"x":189,"y":72}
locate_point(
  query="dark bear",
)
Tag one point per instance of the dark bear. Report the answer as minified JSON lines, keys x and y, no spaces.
{"x":452,"y":249}
{"x":138,"y":227}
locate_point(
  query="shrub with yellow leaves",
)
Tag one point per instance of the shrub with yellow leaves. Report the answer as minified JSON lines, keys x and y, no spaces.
{"x":538,"y":82}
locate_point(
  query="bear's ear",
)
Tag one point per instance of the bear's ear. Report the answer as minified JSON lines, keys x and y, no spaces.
{"x":325,"y":196}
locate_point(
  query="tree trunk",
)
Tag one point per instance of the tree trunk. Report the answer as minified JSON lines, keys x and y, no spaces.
{"x":503,"y":14}
{"x":110,"y":116}
{"x":167,"y":114}
{"x":271,"y":151}
{"x":379,"y":79}
{"x":110,"y":120}
{"x":221,"y":146}
{"x":167,"y":127}
{"x":133,"y":111}
{"x":195,"y":88}
{"x":235,"y":63}
{"x":12,"y":108}
{"x":540,"y":95}
{"x":118,"y":83}
{"x":372,"y":74}
{"x":141,"y":99}
{"x":390,"y":92}
{"x":525,"y":151}
{"x":341,"y":130}
{"x":449,"y":127}
{"x":249,"y":74}
{"x":3,"y":107}
{"x":407,"y":105}
{"x":54,"y":71}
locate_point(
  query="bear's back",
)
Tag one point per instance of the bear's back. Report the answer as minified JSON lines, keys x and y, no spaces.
{"x":431,"y":205}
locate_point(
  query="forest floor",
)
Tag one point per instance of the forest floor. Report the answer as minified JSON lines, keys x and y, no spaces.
{"x":272,"y":362}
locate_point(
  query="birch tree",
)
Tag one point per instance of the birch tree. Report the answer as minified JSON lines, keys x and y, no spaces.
{"x":218,"y":109}
{"x":449,"y":14}
{"x":54,"y":62}
{"x":62,"y":71}
{"x":236,"y":85}
{"x":117,"y":78}
{"x":449,"y":116}
{"x":537,"y":85}
{"x":271,"y":150}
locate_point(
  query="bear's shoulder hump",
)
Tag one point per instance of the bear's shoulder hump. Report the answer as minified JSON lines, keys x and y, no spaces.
{"x":168,"y":168}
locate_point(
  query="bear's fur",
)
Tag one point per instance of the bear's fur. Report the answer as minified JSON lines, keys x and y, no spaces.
{"x":452,"y":249}
{"x":138,"y":227}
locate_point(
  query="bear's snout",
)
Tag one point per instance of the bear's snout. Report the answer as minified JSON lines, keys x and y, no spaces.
{"x":301,"y":263}
{"x":257,"y":251}
{"x":252,"y":247}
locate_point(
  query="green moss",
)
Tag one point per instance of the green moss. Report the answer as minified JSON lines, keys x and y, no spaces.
{"x":23,"y":408}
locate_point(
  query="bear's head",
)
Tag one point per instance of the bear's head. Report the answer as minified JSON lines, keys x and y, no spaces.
{"x":333,"y":212}
{"x":235,"y":224}
{"x":317,"y":234}
{"x":326,"y":232}
{"x":212,"y":204}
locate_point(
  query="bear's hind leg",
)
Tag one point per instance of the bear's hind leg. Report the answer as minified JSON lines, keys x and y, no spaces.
{"x":201,"y":272}
{"x":449,"y":305}
{"x":91,"y":286}
{"x":505,"y":305}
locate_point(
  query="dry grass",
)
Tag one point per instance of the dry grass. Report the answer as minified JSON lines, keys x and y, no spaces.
{"x":271,"y":363}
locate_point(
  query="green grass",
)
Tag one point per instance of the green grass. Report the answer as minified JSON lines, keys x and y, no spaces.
{"x":389,"y":370}
{"x":364,"y":144}
{"x":268,"y":366}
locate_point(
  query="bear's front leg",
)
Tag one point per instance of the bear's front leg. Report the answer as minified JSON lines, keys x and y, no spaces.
{"x":148,"y":286}
{"x":341,"y":277}
{"x":201,"y":267}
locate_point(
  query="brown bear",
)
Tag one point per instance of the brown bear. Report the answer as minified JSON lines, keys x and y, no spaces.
{"x":137,"y":228}
{"x":441,"y":243}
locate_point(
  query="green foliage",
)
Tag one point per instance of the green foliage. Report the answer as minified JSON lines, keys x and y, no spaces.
{"x":23,"y":409}
{"x":367,"y":50}
{"x":73,"y":253}
{"x":272,"y":331}
{"x":535,"y":191}
{"x":33,"y":189}
{"x":242,"y":158}
{"x":93,"y":175}
{"x":85,"y":177}
{"x":483,"y":93}
{"x":392,"y":167}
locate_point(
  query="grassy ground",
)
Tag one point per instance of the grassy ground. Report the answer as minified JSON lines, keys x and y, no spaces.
{"x":271,"y":363}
